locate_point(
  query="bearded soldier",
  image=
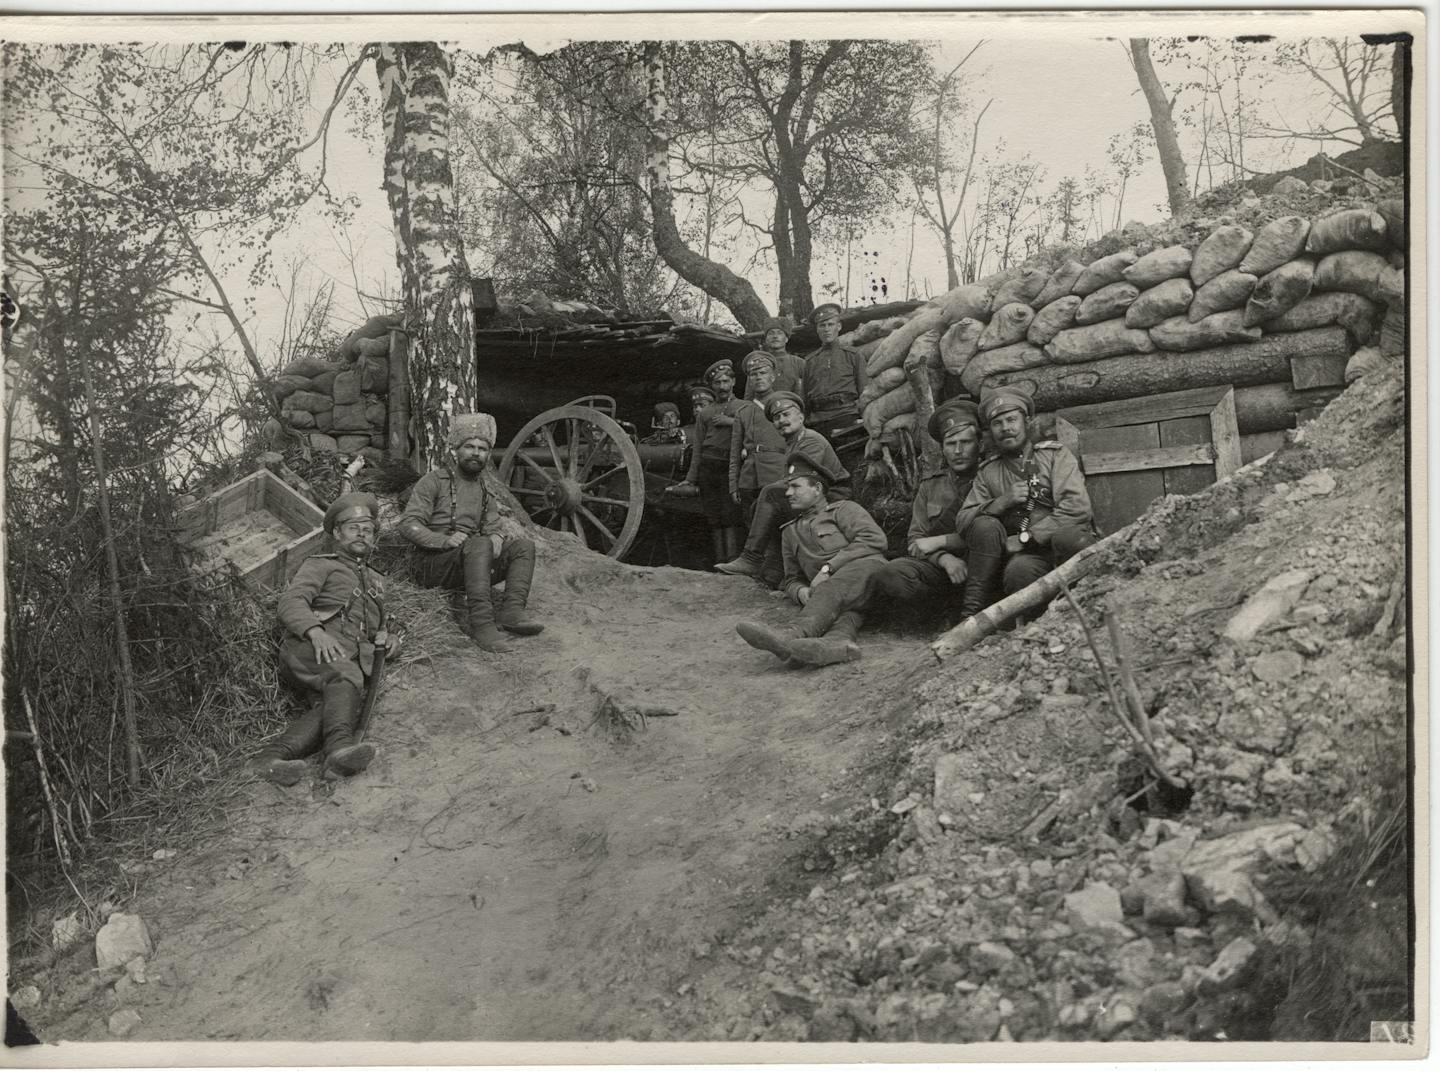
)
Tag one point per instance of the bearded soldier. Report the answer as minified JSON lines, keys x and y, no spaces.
{"x":1027,"y":510}
{"x":453,"y":522}
{"x":331,"y":611}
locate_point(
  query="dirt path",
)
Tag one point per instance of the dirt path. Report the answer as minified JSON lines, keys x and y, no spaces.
{"x":472,"y":885}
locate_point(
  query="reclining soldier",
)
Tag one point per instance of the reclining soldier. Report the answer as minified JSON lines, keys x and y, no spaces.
{"x":331,"y":611}
{"x":832,"y":551}
{"x":452,"y":520}
{"x":934,"y":565}
{"x":760,"y":556}
{"x":1027,"y":511}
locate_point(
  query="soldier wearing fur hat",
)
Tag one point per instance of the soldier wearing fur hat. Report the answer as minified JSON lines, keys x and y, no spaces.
{"x":331,"y":612}
{"x":757,"y":449}
{"x":760,"y":556}
{"x":934,"y":564}
{"x":1027,"y":510}
{"x":710,"y":465}
{"x":789,"y":367}
{"x":452,"y":520}
{"x":835,"y":376}
{"x":832,"y":550}
{"x":665,"y":426}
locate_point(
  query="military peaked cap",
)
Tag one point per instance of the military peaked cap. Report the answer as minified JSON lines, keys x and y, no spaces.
{"x":758,"y":357}
{"x":783,"y":397}
{"x":1005,"y":400}
{"x":349,"y":506}
{"x":956,"y":413}
{"x":823,"y":311}
{"x":723,"y":365}
{"x":800,"y":465}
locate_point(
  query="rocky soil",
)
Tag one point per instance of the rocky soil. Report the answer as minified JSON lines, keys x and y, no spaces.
{"x":1015,"y":873}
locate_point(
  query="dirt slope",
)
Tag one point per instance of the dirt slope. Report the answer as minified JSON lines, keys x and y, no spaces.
{"x":503,"y":872}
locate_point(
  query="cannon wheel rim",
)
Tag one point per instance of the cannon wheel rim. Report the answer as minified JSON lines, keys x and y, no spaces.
{"x":582,"y":471}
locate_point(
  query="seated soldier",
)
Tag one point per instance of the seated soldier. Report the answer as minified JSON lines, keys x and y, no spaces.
{"x":331,"y":611}
{"x":452,"y":521}
{"x":757,"y":449}
{"x":934,"y":564}
{"x":832,"y":550}
{"x":1027,"y":510}
{"x":787,"y":412}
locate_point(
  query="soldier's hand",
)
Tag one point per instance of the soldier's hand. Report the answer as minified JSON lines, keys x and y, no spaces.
{"x":803,"y":596}
{"x":1013,"y":544}
{"x":327,"y":648}
{"x":954,"y":569}
{"x":735,"y":497}
{"x":1017,"y":495}
{"x":455,"y":539}
{"x":927,"y":545}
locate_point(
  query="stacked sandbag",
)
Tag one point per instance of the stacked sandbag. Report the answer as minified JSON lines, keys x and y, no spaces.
{"x":340,"y":402}
{"x":1188,"y":314}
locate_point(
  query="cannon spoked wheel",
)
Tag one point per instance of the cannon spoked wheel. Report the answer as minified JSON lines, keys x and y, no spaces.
{"x":575,"y":470}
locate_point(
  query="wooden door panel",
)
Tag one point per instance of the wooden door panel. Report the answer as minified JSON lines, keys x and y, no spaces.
{"x":1184,"y":431}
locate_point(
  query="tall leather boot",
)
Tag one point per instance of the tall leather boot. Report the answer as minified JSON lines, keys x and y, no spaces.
{"x":837,"y":645}
{"x":717,"y":544}
{"x":476,"y":555}
{"x":769,"y":512}
{"x":519,"y":571}
{"x":734,"y":536}
{"x":343,"y":755}
{"x":282,"y":760}
{"x":778,"y":641}
{"x":984,"y":565}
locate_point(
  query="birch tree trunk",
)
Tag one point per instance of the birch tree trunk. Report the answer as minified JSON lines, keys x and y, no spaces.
{"x":1163,"y":124}
{"x":415,"y":100}
{"x":715,"y":279}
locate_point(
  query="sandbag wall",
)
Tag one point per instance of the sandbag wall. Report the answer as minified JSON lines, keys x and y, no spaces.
{"x":339,"y":404}
{"x":1277,"y":313}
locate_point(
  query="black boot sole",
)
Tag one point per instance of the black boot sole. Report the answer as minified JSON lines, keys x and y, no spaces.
{"x":818,"y":652}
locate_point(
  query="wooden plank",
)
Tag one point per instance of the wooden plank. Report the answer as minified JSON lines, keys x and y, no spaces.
{"x":1118,"y":498}
{"x":1184,"y":431}
{"x":233,"y":502}
{"x":1225,"y":435}
{"x":1309,"y":370}
{"x":1181,"y":403}
{"x":297,"y":511}
{"x":1159,"y":457}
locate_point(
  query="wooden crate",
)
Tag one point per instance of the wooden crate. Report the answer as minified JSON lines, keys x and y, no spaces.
{"x":259,"y":524}
{"x":1136,"y":450}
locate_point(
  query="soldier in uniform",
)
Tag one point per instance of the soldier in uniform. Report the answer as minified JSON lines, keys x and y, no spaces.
{"x":760,"y":556}
{"x":834,"y":377}
{"x":934,"y":565}
{"x":832,"y":550}
{"x":1027,"y":510}
{"x":757,"y":449}
{"x":710,"y":466}
{"x":452,"y":521}
{"x":665,"y":426}
{"x":331,"y":611}
{"x":789,"y":367}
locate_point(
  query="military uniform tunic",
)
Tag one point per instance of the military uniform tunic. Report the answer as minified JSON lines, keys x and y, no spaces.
{"x":843,"y":535}
{"x":937,"y":501}
{"x":834,"y":377}
{"x":1061,"y":502}
{"x":441,"y":502}
{"x":344,"y":598}
{"x":710,"y":465}
{"x":757,"y":450}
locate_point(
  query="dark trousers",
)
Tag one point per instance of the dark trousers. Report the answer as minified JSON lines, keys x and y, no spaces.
{"x":845,"y":594}
{"x":908,"y":580}
{"x":714,"y":483}
{"x":473,"y":567}
{"x":992,"y":570}
{"x":329,"y":685}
